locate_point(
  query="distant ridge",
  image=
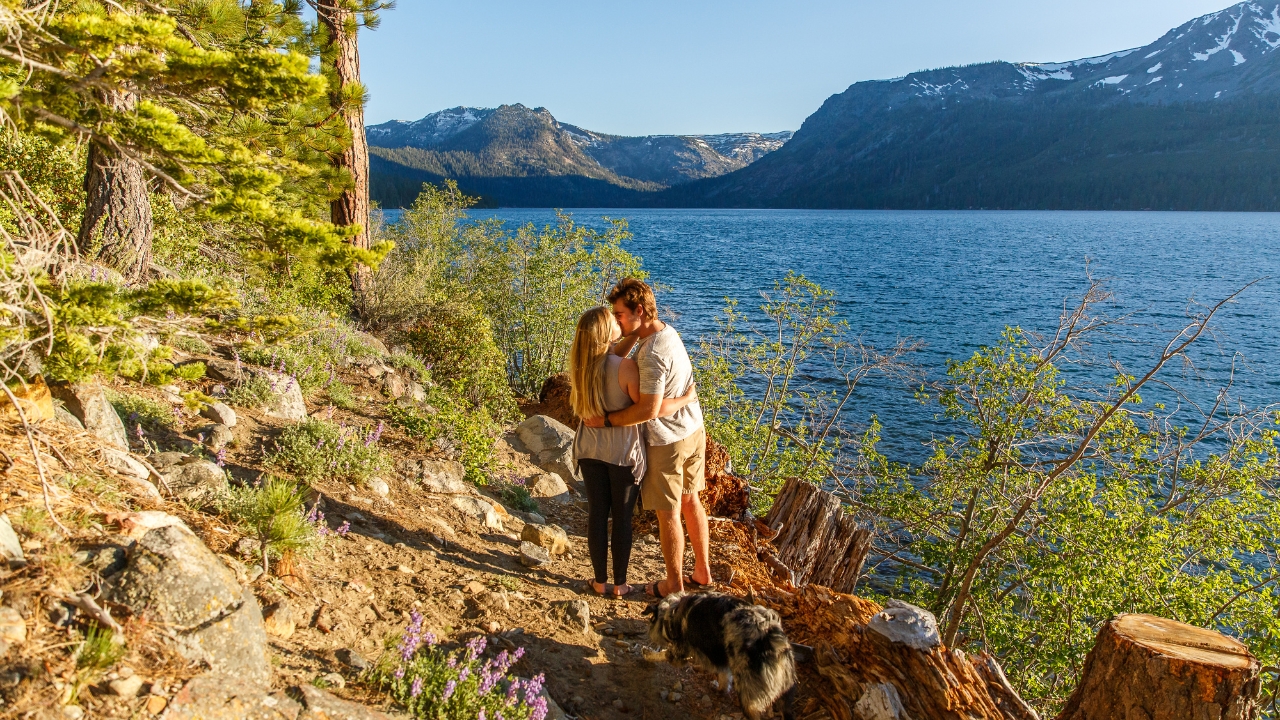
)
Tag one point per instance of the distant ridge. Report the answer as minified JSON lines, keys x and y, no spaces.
{"x":514,"y":155}
{"x":1188,"y":122}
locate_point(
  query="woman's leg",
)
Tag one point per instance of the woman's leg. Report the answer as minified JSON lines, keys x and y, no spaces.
{"x":624,"y":491}
{"x":595,"y":480}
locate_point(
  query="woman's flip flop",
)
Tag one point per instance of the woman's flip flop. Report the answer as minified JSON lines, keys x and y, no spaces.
{"x":591,"y":588}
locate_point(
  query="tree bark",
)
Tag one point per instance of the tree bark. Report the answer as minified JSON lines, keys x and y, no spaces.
{"x":352,"y":206}
{"x":117,"y":222}
{"x":817,"y":539}
{"x":1148,"y":667}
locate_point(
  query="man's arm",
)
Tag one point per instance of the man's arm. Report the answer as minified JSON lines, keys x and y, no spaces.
{"x":644,"y":411}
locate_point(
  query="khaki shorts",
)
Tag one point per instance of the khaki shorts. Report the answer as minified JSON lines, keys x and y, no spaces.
{"x":674,"y":470}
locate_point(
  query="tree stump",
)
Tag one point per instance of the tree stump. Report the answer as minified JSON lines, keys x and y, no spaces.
{"x":1145,"y":667}
{"x":817,"y":539}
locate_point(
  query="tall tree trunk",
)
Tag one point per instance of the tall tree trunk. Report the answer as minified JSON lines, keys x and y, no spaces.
{"x":117,"y":222}
{"x":352,"y":207}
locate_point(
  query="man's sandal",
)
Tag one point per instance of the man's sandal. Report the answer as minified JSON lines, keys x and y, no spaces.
{"x":651,"y":589}
{"x":689,"y":582}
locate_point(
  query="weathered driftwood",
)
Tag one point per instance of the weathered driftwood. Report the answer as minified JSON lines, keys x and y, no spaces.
{"x":1144,"y":666}
{"x":816,"y":539}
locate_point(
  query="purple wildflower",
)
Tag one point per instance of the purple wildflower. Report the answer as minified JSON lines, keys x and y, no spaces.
{"x":412,"y":639}
{"x":518,"y":654}
{"x":453,"y":662}
{"x":481,"y":716}
{"x":464,"y":674}
{"x":344,"y":528}
{"x":221,"y":457}
{"x":282,"y":365}
{"x":476,"y":646}
{"x":138,"y":431}
{"x":512,"y":691}
{"x":533,"y":688}
{"x":400,"y":673}
{"x":416,"y":690}
{"x":375,"y":435}
{"x":539,"y":707}
{"x":449,"y":687}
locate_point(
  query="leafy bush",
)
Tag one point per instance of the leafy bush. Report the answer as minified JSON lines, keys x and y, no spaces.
{"x":311,"y":355}
{"x":191,"y":344}
{"x":448,"y":279}
{"x":273,"y":514}
{"x":435,"y":684}
{"x":457,"y":345}
{"x":340,"y":395}
{"x":191,"y":371}
{"x":513,"y":492}
{"x":252,"y":392}
{"x":139,"y":409}
{"x":452,"y":426}
{"x":315,"y":449}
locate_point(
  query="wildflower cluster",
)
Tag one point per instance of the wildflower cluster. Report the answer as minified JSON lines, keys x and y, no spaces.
{"x":435,"y":684}
{"x":314,"y":449}
{"x":316,"y":518}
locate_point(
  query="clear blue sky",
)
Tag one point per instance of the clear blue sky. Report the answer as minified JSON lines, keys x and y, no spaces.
{"x":695,"y":66}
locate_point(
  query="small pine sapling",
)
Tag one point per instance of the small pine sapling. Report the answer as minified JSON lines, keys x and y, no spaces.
{"x":273,"y":514}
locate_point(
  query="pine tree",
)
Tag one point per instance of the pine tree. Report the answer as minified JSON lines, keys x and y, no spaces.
{"x":212,"y":99}
{"x":339,"y":24}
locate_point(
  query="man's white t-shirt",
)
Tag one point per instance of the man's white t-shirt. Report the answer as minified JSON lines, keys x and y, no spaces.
{"x":666,"y":371}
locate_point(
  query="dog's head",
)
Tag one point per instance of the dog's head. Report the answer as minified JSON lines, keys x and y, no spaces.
{"x":664,"y":626}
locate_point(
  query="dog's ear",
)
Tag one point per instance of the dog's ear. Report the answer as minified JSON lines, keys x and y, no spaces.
{"x":651,"y":611}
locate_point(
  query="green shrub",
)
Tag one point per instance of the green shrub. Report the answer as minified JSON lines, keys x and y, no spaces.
{"x":252,"y":392}
{"x":456,"y":343}
{"x":273,"y":514}
{"x":141,"y":410}
{"x":313,"y":356}
{"x":412,"y":363}
{"x":340,"y":395}
{"x":191,"y":344}
{"x":469,"y":431}
{"x":191,"y":371}
{"x":315,"y":449}
{"x":512,"y":492}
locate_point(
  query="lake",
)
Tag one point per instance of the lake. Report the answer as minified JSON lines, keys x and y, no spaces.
{"x":955,"y":279}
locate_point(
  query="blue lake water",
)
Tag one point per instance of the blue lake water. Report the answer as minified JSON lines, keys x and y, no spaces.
{"x":956,"y":279}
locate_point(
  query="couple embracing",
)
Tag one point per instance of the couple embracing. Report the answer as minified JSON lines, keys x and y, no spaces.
{"x":641,"y":436}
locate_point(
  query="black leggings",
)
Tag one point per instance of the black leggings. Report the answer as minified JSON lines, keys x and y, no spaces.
{"x":610,"y":488}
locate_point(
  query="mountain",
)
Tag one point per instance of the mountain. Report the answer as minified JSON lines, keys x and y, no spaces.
{"x":1191,"y":121}
{"x":514,"y":155}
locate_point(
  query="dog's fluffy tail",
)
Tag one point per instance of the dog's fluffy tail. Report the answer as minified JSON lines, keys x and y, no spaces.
{"x":760,"y":657}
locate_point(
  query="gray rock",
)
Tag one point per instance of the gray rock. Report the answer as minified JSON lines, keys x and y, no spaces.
{"x":548,"y":485}
{"x":10,"y":547}
{"x":220,"y":413}
{"x":907,"y":624}
{"x":217,"y":437}
{"x":180,"y":584}
{"x":394,"y":386}
{"x":533,"y":517}
{"x":575,"y":613}
{"x":444,"y":476}
{"x":558,"y":461}
{"x":106,"y":560}
{"x":285,"y":402}
{"x":379,"y":487}
{"x":89,"y":404}
{"x":13,"y":629}
{"x":333,"y":680}
{"x":373,"y":343}
{"x":417,"y":392}
{"x":125,"y":464}
{"x":223,"y":371}
{"x":479,"y":510}
{"x":64,"y":416}
{"x":196,"y":481}
{"x":532,"y":555}
{"x":126,"y":687}
{"x":541,"y":433}
{"x":164,"y":460}
{"x":218,"y":696}
{"x":486,"y":603}
{"x":551,"y":537}
{"x":353,"y":660}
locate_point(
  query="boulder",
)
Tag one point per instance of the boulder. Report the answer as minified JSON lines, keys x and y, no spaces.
{"x":223,"y":371}
{"x":541,"y":433}
{"x":125,"y":464}
{"x":217,"y":437}
{"x":278,"y":619}
{"x":373,"y":343}
{"x":285,"y":401}
{"x":89,"y":404}
{"x":548,"y":485}
{"x":218,"y":696}
{"x":905,"y":623}
{"x":478,"y":509}
{"x":135,"y":525}
{"x":417,"y":392}
{"x":181,"y":585}
{"x":126,"y":688}
{"x":559,"y":461}
{"x":487,"y":603}
{"x":10,"y":547}
{"x":164,"y":460}
{"x":220,"y":413}
{"x":379,"y":487}
{"x":444,"y":476}
{"x":394,"y":386}
{"x":574,"y":613}
{"x":551,"y":537}
{"x":195,"y":480}
{"x":532,"y":555}
{"x":64,"y":416}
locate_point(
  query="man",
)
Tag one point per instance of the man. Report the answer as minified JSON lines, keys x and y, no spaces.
{"x":677,"y":443}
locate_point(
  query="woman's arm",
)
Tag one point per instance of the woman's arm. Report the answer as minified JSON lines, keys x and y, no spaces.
{"x":670,"y":406}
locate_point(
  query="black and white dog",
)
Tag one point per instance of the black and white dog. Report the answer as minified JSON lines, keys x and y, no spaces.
{"x":742,"y":642}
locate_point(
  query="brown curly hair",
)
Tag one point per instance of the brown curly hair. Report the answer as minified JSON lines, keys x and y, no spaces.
{"x":635,"y":294}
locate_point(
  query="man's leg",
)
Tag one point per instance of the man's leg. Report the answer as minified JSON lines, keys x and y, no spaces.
{"x":695,"y":517}
{"x":672,"y":537}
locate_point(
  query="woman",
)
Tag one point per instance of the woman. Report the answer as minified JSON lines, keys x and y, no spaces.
{"x":611,"y":460}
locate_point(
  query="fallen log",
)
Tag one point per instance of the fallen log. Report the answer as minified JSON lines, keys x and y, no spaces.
{"x":1144,"y":666}
{"x":816,"y":538}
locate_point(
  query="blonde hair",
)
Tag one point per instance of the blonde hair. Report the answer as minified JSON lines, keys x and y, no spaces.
{"x":586,"y":362}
